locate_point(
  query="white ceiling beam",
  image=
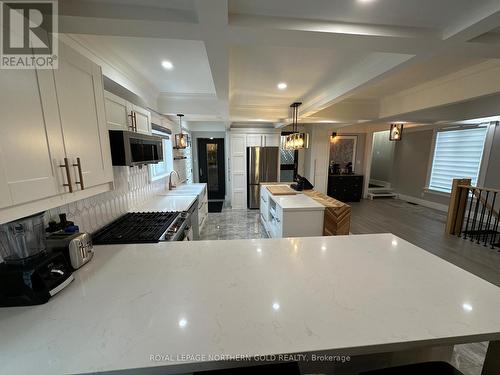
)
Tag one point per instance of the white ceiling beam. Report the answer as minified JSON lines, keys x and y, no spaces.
{"x":483,"y":20}
{"x":131,"y":28}
{"x":213,"y":20}
{"x":474,"y":82}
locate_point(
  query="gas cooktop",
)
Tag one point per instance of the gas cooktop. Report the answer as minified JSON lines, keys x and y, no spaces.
{"x":140,"y":227}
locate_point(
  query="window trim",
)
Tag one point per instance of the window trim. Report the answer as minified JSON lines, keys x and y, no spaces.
{"x":488,"y":144}
{"x":150,"y":167}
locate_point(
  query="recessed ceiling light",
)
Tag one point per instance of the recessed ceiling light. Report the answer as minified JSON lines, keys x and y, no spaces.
{"x":365,"y":1}
{"x":167,"y":64}
{"x":282,"y":85}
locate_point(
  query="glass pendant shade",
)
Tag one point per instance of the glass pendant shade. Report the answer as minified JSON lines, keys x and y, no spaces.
{"x":296,"y":140}
{"x":181,"y":139}
{"x":396,"y":132}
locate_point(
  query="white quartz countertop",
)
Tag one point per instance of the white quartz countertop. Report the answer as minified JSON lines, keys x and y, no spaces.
{"x":297,"y":202}
{"x":355,"y":294}
{"x":186,"y":189}
{"x":166,"y":203}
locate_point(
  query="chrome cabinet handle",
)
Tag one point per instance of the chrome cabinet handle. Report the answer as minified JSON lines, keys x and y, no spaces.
{"x":68,"y":174}
{"x":135,"y":121}
{"x":201,"y":172}
{"x":80,"y":174}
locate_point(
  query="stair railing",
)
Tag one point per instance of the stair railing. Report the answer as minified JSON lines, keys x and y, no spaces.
{"x":473,"y":213}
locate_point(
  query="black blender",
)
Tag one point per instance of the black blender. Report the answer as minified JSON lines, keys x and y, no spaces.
{"x":29,"y":275}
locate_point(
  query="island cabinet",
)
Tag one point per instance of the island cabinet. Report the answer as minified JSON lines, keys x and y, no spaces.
{"x":290,"y":215}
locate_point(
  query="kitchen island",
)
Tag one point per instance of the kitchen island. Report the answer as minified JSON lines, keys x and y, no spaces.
{"x":179,"y":306}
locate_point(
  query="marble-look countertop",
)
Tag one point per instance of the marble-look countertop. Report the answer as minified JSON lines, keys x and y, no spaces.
{"x":186,"y":189}
{"x":295,"y":202}
{"x":166,"y":203}
{"x":355,"y":294}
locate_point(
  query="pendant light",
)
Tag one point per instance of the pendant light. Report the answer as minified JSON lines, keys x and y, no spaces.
{"x":181,"y":140}
{"x":296,"y":140}
{"x":396,"y":132}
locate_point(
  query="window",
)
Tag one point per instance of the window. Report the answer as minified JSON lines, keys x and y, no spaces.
{"x":288,"y":161}
{"x":457,"y":154}
{"x":161,"y":170}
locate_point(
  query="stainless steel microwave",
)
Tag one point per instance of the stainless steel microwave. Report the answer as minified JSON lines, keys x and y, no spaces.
{"x":130,"y":148}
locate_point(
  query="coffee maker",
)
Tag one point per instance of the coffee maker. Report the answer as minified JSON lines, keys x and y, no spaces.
{"x":29,"y":275}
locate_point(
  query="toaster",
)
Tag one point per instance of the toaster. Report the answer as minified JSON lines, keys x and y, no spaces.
{"x":76,"y":247}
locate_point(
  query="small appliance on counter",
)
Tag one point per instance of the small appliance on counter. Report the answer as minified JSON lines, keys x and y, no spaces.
{"x":302,"y":183}
{"x":29,"y":274}
{"x":76,"y":248}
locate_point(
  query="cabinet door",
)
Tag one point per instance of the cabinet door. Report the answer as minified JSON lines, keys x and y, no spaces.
{"x":254,"y":140}
{"x":142,"y":120}
{"x":30,"y":140}
{"x":272,"y":140}
{"x":238,"y":171}
{"x":118,"y":112}
{"x":81,"y":106}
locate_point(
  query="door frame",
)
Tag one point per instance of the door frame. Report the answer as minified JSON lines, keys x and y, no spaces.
{"x":221,"y":173}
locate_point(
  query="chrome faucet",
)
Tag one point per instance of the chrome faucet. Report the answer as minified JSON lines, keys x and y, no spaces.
{"x":170,"y":184}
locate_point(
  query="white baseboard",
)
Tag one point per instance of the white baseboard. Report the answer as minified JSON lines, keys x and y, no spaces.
{"x":423,"y":202}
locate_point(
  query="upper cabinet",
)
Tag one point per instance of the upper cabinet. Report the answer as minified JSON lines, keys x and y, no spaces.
{"x":263,"y":140}
{"x":53,"y":140}
{"x":123,"y":115}
{"x":30,"y":139}
{"x":118,"y":112}
{"x":271,"y":140}
{"x":142,"y":119}
{"x":81,"y":107}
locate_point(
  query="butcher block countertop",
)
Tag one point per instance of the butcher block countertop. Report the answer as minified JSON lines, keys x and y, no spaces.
{"x":337,"y":214}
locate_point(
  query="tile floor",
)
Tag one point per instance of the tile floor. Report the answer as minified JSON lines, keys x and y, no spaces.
{"x":245,"y":224}
{"x":232,"y":225}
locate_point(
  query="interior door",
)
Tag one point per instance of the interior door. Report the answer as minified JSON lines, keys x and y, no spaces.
{"x":211,"y":166}
{"x":30,"y":138}
{"x":81,"y":106}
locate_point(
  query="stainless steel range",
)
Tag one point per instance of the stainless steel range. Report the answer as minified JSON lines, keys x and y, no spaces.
{"x":145,"y":227}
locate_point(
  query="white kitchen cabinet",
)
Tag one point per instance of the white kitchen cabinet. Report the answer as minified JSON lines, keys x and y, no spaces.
{"x":271,"y":140}
{"x":118,"y":112}
{"x":254,"y":140}
{"x":238,"y":171}
{"x":80,"y":97}
{"x":123,"y":115}
{"x":290,"y":215}
{"x":52,"y":119}
{"x":142,"y":119}
{"x":264,"y":207}
{"x":30,"y":140}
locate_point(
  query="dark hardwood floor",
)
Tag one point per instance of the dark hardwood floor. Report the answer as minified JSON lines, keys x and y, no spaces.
{"x":425,"y":227}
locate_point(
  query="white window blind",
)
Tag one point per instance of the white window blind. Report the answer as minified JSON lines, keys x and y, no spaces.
{"x":163,"y":168}
{"x":457,"y":154}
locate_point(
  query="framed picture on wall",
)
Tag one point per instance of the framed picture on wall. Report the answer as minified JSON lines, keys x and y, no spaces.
{"x":343,"y":152}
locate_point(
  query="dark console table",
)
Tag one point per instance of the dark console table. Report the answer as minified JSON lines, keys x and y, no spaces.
{"x":345,"y":187}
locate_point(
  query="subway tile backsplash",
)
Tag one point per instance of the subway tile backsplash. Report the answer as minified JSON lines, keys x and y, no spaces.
{"x":132,"y":187}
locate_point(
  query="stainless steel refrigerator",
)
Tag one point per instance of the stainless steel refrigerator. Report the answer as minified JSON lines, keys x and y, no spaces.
{"x":262,"y":166}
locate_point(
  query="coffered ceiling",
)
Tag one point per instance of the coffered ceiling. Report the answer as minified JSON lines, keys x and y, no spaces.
{"x":346,"y":60}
